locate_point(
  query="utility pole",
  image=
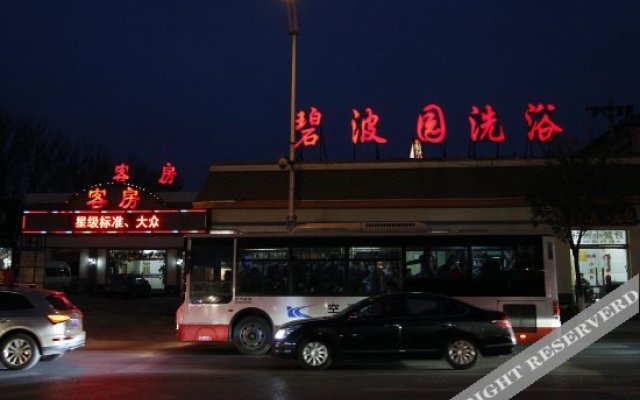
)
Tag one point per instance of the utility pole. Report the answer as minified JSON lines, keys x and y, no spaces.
{"x":610,"y":111}
{"x":293,"y":32}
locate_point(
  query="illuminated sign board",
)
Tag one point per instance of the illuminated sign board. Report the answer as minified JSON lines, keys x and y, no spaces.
{"x":114,"y":222}
{"x":431,"y":127}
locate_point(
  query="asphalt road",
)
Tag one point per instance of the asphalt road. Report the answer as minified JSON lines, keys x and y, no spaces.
{"x":131,"y":354}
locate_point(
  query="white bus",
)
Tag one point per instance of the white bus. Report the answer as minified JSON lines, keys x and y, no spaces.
{"x":241,"y":287}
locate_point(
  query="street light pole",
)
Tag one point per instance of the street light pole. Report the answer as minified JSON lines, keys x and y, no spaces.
{"x":293,"y":32}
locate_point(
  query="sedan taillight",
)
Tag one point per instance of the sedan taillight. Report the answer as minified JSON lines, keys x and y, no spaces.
{"x":505,"y":322}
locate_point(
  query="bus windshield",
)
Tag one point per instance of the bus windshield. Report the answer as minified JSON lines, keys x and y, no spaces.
{"x":211,"y":272}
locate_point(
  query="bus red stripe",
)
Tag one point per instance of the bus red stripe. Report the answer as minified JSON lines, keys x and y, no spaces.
{"x":203,"y":333}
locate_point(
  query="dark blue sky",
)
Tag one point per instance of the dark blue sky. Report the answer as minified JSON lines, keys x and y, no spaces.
{"x":197,"y":82}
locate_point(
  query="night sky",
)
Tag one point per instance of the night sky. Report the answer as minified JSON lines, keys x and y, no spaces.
{"x":197,"y":82}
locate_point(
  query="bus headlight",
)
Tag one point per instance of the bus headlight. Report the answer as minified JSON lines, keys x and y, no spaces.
{"x":284,"y":332}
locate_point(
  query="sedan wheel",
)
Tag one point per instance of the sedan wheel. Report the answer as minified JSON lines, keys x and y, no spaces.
{"x":19,"y":351}
{"x":461,"y":354}
{"x":314,"y":354}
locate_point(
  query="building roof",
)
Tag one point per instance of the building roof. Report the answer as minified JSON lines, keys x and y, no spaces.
{"x":471,"y":180}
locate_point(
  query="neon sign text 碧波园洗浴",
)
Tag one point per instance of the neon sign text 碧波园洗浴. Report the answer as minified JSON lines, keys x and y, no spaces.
{"x":484,"y":125}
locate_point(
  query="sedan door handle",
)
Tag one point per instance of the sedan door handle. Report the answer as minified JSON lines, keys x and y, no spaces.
{"x":446,"y":325}
{"x":2,"y":321}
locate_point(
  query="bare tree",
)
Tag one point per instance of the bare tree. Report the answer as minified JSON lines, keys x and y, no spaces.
{"x":34,"y":158}
{"x":574,"y":193}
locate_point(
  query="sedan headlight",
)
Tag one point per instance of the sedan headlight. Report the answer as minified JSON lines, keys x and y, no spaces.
{"x":284,"y":332}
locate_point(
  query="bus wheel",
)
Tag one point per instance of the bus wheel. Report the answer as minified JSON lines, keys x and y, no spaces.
{"x":461,"y":353}
{"x":252,"y":336}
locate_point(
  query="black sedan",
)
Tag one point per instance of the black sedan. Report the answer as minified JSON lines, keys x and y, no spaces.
{"x":405,"y":325}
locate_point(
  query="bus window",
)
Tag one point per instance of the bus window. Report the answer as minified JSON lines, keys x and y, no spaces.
{"x":318,"y":270}
{"x":262,"y":270}
{"x":211,"y":273}
{"x":374,"y":269}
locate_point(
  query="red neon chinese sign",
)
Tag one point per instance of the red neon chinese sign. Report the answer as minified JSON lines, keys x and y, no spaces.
{"x":539,"y":121}
{"x":307,"y":127}
{"x":484,"y":125}
{"x":168,"y":174}
{"x":116,"y":222}
{"x":102,"y":221}
{"x":145,"y":222}
{"x":431,"y":127}
{"x":364,"y":127}
{"x":97,"y":198}
{"x":130,"y":198}
{"x":121,"y":173}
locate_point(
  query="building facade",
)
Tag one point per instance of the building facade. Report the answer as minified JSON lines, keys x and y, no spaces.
{"x":106,"y":230}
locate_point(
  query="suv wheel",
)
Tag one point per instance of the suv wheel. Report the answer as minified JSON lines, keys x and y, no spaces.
{"x":19,"y":351}
{"x":252,"y":336}
{"x":315,"y":354}
{"x":461,"y":353}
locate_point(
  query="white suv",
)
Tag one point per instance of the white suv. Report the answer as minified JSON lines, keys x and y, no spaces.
{"x":37,"y":324}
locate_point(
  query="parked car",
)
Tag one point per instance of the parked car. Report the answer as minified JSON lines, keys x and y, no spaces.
{"x":128,"y":286}
{"x":405,"y":325}
{"x":37,"y":324}
{"x":57,"y":276}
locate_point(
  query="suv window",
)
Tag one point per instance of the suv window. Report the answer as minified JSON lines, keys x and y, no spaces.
{"x":14,"y":301}
{"x":60,"y":302}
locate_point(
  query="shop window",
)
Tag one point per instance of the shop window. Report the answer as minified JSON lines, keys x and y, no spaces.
{"x":603,"y":260}
{"x":150,"y":264}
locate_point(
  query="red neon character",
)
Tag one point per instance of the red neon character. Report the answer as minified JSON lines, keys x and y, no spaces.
{"x":93,"y":222}
{"x":431,"y":126}
{"x":97,"y":198}
{"x":119,"y":223}
{"x":541,"y":127}
{"x":81,"y":222}
{"x":484,"y":125}
{"x":154,"y":221}
{"x":122,"y":173}
{"x":130,"y":198}
{"x":307,"y":127}
{"x":142,"y":222}
{"x":168,"y":174}
{"x":363,"y":128}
